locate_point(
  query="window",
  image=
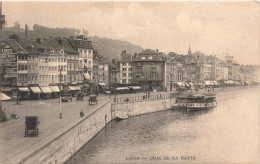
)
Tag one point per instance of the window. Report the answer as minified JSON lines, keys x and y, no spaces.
{"x":124,"y":64}
{"x":123,"y":69}
{"x":124,"y":74}
{"x":130,"y":74}
{"x":154,"y":75}
{"x":139,"y":68}
{"x":124,"y":81}
{"x":130,"y":69}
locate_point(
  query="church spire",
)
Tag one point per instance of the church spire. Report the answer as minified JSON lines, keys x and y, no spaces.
{"x":189,"y":52}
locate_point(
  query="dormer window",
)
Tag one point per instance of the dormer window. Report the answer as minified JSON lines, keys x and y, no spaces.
{"x":52,"y":51}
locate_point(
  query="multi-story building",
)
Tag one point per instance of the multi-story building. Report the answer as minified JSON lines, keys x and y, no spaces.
{"x":220,"y":69}
{"x":14,"y":63}
{"x":229,"y":61}
{"x":114,"y":74}
{"x":85,"y":50}
{"x":52,"y":63}
{"x":126,"y":68}
{"x":32,"y":62}
{"x":72,"y":60}
{"x":149,"y":70}
{"x":207,"y":70}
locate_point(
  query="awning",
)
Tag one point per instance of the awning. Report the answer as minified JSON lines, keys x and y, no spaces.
{"x":135,"y":87}
{"x":191,"y":83}
{"x":215,"y":82}
{"x":74,"y":88}
{"x":4,"y":97}
{"x":46,"y":90}
{"x":226,"y":82}
{"x":207,"y":82}
{"x":23,"y":89}
{"x":54,"y":88}
{"x":102,"y":84}
{"x":122,"y":88}
{"x":200,"y":84}
{"x":187,"y":84}
{"x":36,"y":89}
{"x":179,"y":84}
{"x":231,"y":81}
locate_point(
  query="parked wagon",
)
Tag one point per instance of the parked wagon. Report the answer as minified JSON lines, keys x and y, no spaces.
{"x":92,"y":99}
{"x":66,"y":97}
{"x":31,"y":126}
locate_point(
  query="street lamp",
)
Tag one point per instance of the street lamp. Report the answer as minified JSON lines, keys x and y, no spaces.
{"x":60,"y":94}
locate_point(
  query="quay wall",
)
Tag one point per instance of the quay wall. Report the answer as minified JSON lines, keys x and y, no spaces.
{"x":66,"y":144}
{"x":141,"y":107}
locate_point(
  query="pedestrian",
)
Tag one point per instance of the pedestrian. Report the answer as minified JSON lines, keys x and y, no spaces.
{"x":81,"y":113}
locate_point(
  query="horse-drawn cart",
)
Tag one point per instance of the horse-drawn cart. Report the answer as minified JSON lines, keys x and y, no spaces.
{"x":92,"y":99}
{"x":31,"y":126}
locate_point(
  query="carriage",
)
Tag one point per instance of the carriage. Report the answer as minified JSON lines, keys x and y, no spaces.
{"x":92,"y":99}
{"x":31,"y":126}
{"x":66,"y":97}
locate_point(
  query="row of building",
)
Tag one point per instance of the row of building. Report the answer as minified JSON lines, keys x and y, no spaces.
{"x":156,"y":70}
{"x":51,"y":61}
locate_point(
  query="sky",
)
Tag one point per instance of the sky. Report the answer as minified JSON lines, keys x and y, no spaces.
{"x":210,"y":27}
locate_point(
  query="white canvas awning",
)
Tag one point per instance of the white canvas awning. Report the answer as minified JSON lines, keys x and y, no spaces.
{"x":54,"y":88}
{"x":74,"y":88}
{"x":46,"y":90}
{"x":135,"y":87}
{"x":23,"y":89}
{"x":36,"y":89}
{"x":122,"y":88}
{"x":102,"y":84}
{"x":207,"y":82}
{"x":4,"y":97}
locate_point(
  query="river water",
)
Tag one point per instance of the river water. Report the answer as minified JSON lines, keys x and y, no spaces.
{"x":229,"y":133}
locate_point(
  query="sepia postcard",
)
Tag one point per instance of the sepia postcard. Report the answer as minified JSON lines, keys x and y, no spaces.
{"x":119,"y":82}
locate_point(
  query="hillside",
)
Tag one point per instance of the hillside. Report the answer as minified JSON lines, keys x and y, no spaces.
{"x":111,"y":48}
{"x":105,"y":47}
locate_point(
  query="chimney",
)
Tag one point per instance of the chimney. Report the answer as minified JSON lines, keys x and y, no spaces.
{"x":80,"y":37}
{"x":39,"y":40}
{"x":26,"y":31}
{"x":58,"y":39}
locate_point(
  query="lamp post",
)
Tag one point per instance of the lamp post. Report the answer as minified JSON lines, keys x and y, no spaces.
{"x":60,"y":94}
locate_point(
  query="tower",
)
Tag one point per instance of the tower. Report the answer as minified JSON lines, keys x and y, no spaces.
{"x":189,"y":52}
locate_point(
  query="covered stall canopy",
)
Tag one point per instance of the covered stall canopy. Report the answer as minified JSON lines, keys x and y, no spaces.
{"x":35,"y":89}
{"x":216,"y":83}
{"x":23,"y":89}
{"x":134,"y":87}
{"x":54,"y":88}
{"x":46,"y":90}
{"x":102,"y":84}
{"x":209,"y":83}
{"x":4,"y":97}
{"x":179,"y":84}
{"x":122,"y":88}
{"x":74,"y":88}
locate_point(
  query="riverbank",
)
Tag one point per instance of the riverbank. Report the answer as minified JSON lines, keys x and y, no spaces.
{"x":51,"y":144}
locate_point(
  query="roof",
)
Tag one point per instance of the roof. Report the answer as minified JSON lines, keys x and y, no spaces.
{"x":15,"y":45}
{"x":152,"y":57}
{"x":126,"y":57}
{"x":79,"y":43}
{"x":67,"y":46}
{"x":53,"y":44}
{"x":148,"y":52}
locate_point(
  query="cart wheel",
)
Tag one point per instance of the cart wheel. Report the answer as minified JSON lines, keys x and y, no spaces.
{"x":37,"y":132}
{"x":25,"y":132}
